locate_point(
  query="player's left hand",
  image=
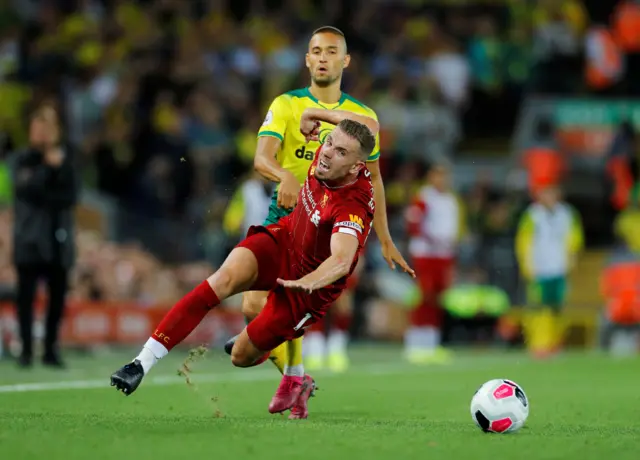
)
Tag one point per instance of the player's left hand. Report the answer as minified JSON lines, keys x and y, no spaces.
{"x":393,"y":257}
{"x":297,"y":285}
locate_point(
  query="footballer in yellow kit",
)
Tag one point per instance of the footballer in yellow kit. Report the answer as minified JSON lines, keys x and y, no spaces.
{"x":295,"y":155}
{"x":284,"y":155}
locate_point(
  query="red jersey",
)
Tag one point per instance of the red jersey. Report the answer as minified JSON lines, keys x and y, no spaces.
{"x":322,"y":211}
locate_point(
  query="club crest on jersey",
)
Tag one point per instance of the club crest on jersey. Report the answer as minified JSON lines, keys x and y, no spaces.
{"x":312,"y":170}
{"x":322,"y":135}
{"x":325,"y":199}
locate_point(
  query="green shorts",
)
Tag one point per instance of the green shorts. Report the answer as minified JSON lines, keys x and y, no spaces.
{"x":275,"y":212}
{"x":548,"y":292}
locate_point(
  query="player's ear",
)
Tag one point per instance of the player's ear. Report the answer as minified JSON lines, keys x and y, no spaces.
{"x":347,"y":61}
{"x":355,"y":169}
{"x":306,"y":60}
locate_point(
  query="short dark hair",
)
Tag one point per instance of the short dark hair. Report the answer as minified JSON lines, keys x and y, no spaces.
{"x":361,"y":133}
{"x":331,"y":30}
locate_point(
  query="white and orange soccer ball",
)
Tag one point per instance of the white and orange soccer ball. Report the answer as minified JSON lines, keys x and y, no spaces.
{"x":500,"y":406}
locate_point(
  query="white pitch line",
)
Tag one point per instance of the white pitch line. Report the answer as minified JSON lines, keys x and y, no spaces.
{"x":164,"y":380}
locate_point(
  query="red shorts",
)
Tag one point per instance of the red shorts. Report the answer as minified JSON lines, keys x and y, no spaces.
{"x":286,"y":312}
{"x":435,"y":274}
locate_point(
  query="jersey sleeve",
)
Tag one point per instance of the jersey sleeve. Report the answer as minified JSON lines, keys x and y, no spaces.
{"x":353,"y":216}
{"x":375,"y":155}
{"x":275,"y":122}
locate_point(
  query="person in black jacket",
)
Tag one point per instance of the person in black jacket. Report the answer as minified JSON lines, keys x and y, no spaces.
{"x":45,"y":195}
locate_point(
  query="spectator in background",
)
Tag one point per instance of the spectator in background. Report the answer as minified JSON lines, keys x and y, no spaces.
{"x":543,"y":160}
{"x":558,"y":29}
{"x":604,"y":61}
{"x":45,"y":194}
{"x":626,"y":30}
{"x":622,"y":164}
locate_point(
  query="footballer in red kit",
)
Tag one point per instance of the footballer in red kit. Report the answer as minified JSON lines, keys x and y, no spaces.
{"x":304,"y":262}
{"x":300,"y":242}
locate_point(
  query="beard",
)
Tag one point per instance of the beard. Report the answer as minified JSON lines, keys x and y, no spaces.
{"x":324,"y":82}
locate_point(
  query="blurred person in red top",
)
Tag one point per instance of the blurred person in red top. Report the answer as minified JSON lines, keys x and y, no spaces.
{"x":543,"y":160}
{"x":433,"y":223}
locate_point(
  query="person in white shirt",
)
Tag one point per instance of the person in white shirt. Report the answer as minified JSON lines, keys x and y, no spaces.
{"x":433,"y":223}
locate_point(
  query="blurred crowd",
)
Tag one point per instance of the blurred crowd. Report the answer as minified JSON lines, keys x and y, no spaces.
{"x":162,"y":100}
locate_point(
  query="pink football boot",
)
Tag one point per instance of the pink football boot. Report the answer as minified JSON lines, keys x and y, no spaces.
{"x":299,"y":409}
{"x":286,"y":394}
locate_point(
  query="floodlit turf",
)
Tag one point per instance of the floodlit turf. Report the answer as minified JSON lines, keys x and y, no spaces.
{"x":582,"y":407}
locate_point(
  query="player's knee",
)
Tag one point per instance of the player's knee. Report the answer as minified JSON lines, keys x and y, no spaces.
{"x":240,"y":356}
{"x":239,"y":360}
{"x":222,"y":282}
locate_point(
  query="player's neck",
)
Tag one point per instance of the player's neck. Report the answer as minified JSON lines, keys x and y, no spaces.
{"x":328,"y":95}
{"x":344,"y":182}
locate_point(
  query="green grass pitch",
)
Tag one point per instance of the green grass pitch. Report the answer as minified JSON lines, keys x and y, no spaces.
{"x":583,"y":406}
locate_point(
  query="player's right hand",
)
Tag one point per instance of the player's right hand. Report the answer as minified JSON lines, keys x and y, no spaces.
{"x":288,"y":191}
{"x":309,"y":128}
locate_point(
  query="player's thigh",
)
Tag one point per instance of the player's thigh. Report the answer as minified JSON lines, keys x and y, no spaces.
{"x":238,"y":273}
{"x":253,"y":302}
{"x":268,"y":252}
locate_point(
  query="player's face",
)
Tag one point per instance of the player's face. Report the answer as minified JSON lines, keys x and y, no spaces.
{"x":439,"y":178}
{"x":339,"y":157}
{"x":43,"y":128}
{"x":549,"y":196}
{"x":326,"y":58}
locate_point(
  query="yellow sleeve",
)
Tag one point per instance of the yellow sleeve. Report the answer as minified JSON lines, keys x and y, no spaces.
{"x":375,"y":155}
{"x":234,"y":214}
{"x":524,"y":243}
{"x":576,"y":234}
{"x":462,"y":219}
{"x":275,"y":122}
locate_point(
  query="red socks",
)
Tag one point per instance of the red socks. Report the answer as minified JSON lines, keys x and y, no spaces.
{"x":185,"y":316}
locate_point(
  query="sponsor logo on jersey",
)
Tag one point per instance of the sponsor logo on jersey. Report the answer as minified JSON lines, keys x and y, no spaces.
{"x":268,"y":119}
{"x":356,"y":219}
{"x":303,"y":153}
{"x":315,"y":218}
{"x":348,"y":224}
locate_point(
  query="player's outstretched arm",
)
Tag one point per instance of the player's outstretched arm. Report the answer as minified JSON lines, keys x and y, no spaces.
{"x":312,"y":115}
{"x":381,"y":225}
{"x":343,"y":250}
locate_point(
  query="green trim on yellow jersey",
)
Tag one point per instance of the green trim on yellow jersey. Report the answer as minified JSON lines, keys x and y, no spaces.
{"x":374,"y":157}
{"x":306,"y":92}
{"x":271,"y":134}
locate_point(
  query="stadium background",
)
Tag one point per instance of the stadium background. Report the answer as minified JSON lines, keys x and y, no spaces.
{"x":162,"y":101}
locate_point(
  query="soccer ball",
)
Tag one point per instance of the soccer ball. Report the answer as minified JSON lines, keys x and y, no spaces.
{"x":499,"y":406}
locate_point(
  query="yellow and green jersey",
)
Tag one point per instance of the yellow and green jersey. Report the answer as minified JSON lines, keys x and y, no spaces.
{"x":547,"y":240}
{"x":295,"y":154}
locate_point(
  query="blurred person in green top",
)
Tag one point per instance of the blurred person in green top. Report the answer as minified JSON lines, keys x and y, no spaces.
{"x":548,"y":240}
